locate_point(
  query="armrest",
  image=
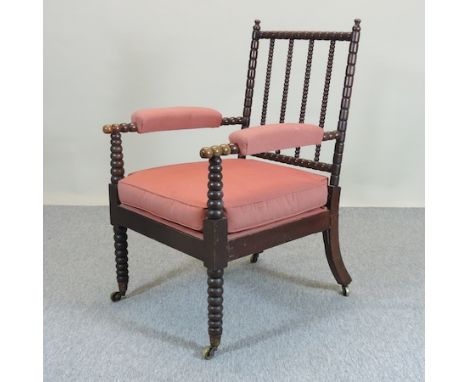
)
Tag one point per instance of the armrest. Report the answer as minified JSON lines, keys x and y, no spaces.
{"x":132,"y":127}
{"x":261,"y":139}
{"x":175,"y":118}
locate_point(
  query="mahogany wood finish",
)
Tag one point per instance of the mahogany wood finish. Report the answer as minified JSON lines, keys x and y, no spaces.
{"x":214,"y":247}
{"x":254,"y":257}
{"x":345,"y":103}
{"x":249,"y":88}
{"x":305,"y":90}
{"x":333,"y":37}
{"x":121,"y":259}
{"x":232,"y":121}
{"x":329,"y":135}
{"x":332,"y":242}
{"x":117,"y":163}
{"x":215,"y":188}
{"x":307,"y":163}
{"x":326,"y":90}
{"x":337,"y":36}
{"x":260,"y":241}
{"x":287,"y":75}
{"x":266,"y":92}
{"x":215,"y":306}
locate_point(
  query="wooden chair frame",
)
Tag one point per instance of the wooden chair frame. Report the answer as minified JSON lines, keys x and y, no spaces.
{"x":215,"y":248}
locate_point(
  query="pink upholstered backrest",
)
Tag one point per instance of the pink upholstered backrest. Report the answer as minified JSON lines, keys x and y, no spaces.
{"x":175,"y":118}
{"x":280,"y":136}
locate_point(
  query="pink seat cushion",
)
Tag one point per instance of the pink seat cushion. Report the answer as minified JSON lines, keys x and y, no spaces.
{"x":279,"y":136}
{"x":175,"y":118}
{"x":255,"y":192}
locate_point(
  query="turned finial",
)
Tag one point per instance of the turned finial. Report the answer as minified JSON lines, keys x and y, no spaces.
{"x":357,"y":25}
{"x":256,"y":30}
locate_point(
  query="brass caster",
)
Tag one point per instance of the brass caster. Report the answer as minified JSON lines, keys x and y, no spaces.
{"x":209,"y":351}
{"x":116,"y":296}
{"x":254,"y":257}
{"x":345,"y":290}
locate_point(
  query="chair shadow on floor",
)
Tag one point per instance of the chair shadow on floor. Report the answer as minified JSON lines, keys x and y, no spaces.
{"x":301,"y":281}
{"x":160,"y":280}
{"x":245,"y":342}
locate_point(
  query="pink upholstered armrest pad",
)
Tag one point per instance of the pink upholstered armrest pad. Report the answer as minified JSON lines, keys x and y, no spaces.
{"x":175,"y":118}
{"x":260,"y":139}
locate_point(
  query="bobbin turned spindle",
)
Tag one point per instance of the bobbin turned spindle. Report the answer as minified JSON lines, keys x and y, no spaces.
{"x":305,"y":90}
{"x":249,"y":89}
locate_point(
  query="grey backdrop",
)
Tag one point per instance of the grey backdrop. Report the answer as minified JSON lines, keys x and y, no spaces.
{"x":104,"y":59}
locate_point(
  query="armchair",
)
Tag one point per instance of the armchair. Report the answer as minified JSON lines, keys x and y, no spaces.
{"x":249,"y":204}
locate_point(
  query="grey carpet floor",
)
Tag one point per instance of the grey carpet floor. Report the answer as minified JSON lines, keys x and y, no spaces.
{"x":284,"y":319}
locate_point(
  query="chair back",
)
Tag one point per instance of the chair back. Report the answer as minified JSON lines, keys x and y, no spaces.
{"x":312,"y":39}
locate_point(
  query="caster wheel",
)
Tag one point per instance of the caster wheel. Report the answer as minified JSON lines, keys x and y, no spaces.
{"x":254,"y":257}
{"x":209,"y":351}
{"x":116,"y":296}
{"x":345,"y":290}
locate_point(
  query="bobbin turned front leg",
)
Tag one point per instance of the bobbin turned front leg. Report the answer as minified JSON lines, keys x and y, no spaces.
{"x":215,"y":311}
{"x":121,"y":262}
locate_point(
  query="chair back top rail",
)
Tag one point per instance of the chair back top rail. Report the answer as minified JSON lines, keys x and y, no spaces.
{"x":298,"y":35}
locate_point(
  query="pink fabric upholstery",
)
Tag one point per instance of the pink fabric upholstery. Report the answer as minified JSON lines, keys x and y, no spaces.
{"x":279,"y":136}
{"x":175,"y":118}
{"x":255,"y":193}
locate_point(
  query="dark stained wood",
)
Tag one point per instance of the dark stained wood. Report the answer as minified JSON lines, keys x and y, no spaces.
{"x":333,"y":37}
{"x":345,"y":103}
{"x":287,"y":35}
{"x":215,"y":306}
{"x":215,"y":189}
{"x":266,"y":92}
{"x":287,"y":74}
{"x":121,"y":257}
{"x":326,"y":90}
{"x":117,"y":163}
{"x":215,"y":237}
{"x":215,"y":224}
{"x":232,"y":121}
{"x":305,"y":90}
{"x":307,"y":163}
{"x":326,"y":86}
{"x":331,"y":239}
{"x":329,"y":135}
{"x":269,"y":238}
{"x":249,"y":89}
